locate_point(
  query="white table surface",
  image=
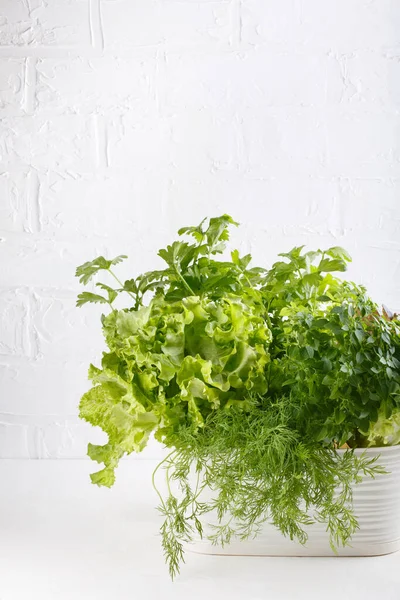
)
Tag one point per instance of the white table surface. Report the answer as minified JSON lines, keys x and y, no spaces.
{"x":63,"y":538}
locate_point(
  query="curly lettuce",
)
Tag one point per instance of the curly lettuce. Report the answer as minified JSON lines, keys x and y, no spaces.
{"x":170,"y":365}
{"x":385,"y":431}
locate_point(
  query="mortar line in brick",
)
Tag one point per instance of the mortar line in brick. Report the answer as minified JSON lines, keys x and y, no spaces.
{"x":101,"y":141}
{"x":46,"y":52}
{"x":96,"y":27}
{"x":33,"y":442}
{"x":33,"y":202}
{"x":38,"y":419}
{"x":29,"y":98}
{"x":31,"y":334}
{"x":236,"y":23}
{"x":160,"y":93}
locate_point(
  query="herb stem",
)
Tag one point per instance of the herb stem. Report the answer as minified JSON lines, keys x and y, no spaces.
{"x":153,"y":477}
{"x":185,"y":283}
{"x":121,"y":284}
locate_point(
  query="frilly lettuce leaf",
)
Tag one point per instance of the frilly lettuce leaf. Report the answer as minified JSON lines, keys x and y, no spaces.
{"x":169,"y":365}
{"x":118,"y":407}
{"x":386,"y":430}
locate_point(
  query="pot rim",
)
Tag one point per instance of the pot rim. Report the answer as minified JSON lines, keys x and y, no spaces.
{"x":380,"y":449}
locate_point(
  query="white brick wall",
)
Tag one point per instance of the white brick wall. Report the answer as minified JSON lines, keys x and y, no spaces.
{"x":122,"y":120}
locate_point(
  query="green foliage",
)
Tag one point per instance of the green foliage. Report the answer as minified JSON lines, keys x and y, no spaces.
{"x":258,"y":469}
{"x":117,"y":406}
{"x":85,"y":297}
{"x":333,"y":353}
{"x":172,"y":362}
{"x":253,"y":378}
{"x":86,"y":271}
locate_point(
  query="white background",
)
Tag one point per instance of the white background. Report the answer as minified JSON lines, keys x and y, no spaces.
{"x":123,"y":120}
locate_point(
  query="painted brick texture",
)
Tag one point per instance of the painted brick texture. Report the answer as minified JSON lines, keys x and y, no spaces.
{"x":122,"y":120}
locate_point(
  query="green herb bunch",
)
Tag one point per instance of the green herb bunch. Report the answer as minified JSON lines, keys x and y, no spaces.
{"x":252,"y":378}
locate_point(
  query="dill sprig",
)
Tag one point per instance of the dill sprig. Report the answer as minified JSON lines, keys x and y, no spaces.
{"x":258,"y":469}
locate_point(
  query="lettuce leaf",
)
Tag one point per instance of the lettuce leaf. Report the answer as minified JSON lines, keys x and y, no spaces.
{"x":169,"y":365}
{"x":385,"y":431}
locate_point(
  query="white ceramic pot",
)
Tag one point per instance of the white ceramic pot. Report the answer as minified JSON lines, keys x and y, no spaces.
{"x":376,"y":506}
